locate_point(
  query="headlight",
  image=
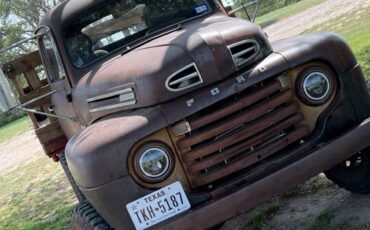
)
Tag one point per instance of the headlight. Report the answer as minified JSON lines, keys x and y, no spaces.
{"x":153,"y":162}
{"x":316,"y":85}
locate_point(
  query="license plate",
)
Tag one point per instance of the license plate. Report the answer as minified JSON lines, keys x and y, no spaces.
{"x":158,"y":206}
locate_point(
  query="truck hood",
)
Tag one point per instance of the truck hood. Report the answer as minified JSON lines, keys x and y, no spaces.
{"x":167,"y":67}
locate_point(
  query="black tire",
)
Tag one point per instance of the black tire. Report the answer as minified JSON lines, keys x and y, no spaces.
{"x":85,"y":217}
{"x":353,"y":174}
{"x":74,"y":186}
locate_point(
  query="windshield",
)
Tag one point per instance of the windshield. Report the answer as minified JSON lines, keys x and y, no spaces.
{"x":121,"y":22}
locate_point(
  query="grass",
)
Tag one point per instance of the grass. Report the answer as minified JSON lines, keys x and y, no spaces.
{"x":258,"y":219}
{"x":355,"y":28}
{"x":311,"y":186}
{"x":36,"y":196}
{"x":287,"y":11}
{"x":15,"y":128}
{"x":323,"y":221}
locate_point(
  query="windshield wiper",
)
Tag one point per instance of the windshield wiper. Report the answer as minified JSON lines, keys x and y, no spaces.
{"x":151,"y":37}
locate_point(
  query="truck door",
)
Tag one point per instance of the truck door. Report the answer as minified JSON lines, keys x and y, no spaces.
{"x":61,"y":100}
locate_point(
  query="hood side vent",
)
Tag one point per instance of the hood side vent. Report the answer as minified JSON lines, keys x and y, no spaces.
{"x":113,"y":100}
{"x":243,"y":52}
{"x":185,"y":78}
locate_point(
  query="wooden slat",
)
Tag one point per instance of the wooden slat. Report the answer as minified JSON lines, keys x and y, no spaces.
{"x":25,"y":63}
{"x":55,"y":146}
{"x":36,"y":93}
{"x":49,"y":132}
{"x":33,"y":79}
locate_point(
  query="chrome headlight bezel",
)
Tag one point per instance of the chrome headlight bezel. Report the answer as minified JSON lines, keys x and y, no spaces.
{"x":316,"y":85}
{"x":164,"y":159}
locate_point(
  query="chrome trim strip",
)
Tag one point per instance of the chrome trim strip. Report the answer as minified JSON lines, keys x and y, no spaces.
{"x":244,"y":52}
{"x":181,"y":128}
{"x":127,"y":97}
{"x":114,"y":106}
{"x":168,"y":84}
{"x":190,"y":76}
{"x":108,"y":95}
{"x":237,"y":55}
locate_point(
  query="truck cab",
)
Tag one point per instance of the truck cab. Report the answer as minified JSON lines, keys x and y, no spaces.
{"x":183,"y":117}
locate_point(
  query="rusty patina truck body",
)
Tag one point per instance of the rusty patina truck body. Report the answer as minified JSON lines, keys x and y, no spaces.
{"x":200,"y":98}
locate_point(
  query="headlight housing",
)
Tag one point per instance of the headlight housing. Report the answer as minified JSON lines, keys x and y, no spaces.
{"x":153,"y":162}
{"x":316,"y":85}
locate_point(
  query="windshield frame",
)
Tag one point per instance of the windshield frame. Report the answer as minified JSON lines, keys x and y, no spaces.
{"x":140,"y":41}
{"x":46,"y":31}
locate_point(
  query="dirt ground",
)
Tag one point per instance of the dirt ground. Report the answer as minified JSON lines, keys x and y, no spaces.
{"x":296,"y":24}
{"x":298,"y":211}
{"x":326,"y":207}
{"x":18,"y":151}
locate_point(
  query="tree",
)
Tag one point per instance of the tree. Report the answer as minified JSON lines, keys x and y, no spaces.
{"x":19,"y":20}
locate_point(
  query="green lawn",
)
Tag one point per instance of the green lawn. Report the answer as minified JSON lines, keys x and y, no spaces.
{"x":287,"y":11}
{"x":36,"y":196}
{"x":355,"y":28}
{"x":15,"y":128}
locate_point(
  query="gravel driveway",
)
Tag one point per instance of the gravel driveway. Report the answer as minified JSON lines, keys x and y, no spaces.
{"x":18,"y":151}
{"x":296,"y":24}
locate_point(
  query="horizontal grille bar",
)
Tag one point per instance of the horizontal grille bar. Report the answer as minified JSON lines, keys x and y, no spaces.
{"x":252,"y":114}
{"x":240,"y":131}
{"x":247,"y":132}
{"x":252,"y":158}
{"x":218,"y":158}
{"x":236,"y":106}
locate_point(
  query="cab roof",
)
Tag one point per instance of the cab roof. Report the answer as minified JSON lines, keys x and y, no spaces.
{"x":66,"y":11}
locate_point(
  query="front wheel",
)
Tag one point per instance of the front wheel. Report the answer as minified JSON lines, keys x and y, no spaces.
{"x":85,"y":217}
{"x":353,"y":174}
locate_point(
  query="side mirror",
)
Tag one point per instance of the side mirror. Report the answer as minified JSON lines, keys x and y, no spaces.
{"x":8,"y":99}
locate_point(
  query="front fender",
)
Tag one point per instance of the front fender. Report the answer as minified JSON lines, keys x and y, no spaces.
{"x":354,"y":101}
{"x":98,"y":154}
{"x":329,"y":47}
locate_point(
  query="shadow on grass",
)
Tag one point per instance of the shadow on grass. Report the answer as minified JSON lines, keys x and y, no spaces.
{"x":36,"y":196}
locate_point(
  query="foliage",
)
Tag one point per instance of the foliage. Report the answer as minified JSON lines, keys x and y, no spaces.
{"x":19,"y":19}
{"x":8,"y":117}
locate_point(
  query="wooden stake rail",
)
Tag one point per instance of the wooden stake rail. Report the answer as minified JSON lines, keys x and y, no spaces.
{"x":30,"y":81}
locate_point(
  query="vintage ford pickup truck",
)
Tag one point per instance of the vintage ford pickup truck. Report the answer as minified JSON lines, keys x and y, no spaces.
{"x":182,"y":117}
